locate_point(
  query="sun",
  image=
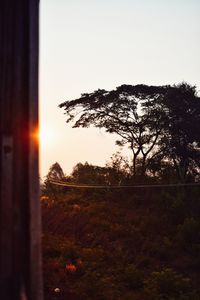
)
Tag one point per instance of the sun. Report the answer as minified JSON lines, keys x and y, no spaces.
{"x":45,"y":136}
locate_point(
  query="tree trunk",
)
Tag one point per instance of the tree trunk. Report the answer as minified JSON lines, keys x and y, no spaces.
{"x":143,"y":167}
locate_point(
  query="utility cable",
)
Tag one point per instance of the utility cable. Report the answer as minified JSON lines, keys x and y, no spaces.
{"x":65,"y":184}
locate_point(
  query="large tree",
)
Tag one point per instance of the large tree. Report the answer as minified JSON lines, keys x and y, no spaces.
{"x":181,"y":139}
{"x":150,"y":119}
{"x":122,"y":112}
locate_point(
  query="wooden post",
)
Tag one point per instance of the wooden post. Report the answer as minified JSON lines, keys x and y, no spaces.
{"x":20,"y":219}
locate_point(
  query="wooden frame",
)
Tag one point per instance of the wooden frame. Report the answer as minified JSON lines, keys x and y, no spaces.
{"x":20,"y":218}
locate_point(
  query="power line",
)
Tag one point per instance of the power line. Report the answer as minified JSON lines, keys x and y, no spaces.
{"x":65,"y":184}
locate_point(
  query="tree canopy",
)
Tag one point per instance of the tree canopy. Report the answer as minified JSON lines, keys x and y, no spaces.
{"x":56,"y":172}
{"x":158,"y":123}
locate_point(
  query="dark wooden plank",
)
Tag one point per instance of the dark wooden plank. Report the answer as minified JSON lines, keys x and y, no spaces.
{"x":35,"y":223}
{"x":6,"y":224}
{"x":20,"y":231}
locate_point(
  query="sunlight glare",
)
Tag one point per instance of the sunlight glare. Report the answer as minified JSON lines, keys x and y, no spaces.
{"x":46,"y":136}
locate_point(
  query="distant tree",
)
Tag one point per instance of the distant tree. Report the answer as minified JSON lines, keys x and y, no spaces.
{"x":88,"y":174}
{"x":55,"y":173}
{"x":115,"y":172}
{"x":156,"y":122}
{"x":118,"y":169}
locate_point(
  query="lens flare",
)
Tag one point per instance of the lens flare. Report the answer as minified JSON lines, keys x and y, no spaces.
{"x":35,"y":136}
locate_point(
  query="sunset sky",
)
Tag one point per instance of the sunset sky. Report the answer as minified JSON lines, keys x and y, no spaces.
{"x":91,"y":44}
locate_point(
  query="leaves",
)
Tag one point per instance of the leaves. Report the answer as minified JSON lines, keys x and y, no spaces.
{"x":149,"y":119}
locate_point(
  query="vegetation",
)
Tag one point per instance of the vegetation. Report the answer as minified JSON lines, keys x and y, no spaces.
{"x":159,"y":124}
{"x":130,"y":243}
{"x":126,"y":244}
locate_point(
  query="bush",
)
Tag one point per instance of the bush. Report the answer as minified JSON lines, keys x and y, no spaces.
{"x":168,"y":285}
{"x":188,"y":234}
{"x":133,"y":278}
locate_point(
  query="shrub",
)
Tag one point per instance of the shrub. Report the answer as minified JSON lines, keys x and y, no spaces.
{"x":188,"y":234}
{"x":132,"y":277}
{"x":168,"y":285}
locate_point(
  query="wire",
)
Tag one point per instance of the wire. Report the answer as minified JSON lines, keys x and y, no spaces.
{"x":62,"y":183}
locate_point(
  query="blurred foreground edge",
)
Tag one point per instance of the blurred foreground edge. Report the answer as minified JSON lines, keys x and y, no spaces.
{"x":20,"y":217}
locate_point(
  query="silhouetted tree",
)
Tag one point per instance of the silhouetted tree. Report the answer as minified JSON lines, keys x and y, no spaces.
{"x":89,"y":174}
{"x":157,"y":122}
{"x":181,"y":140}
{"x":55,"y":173}
{"x":118,"y":169}
{"x":121,"y":112}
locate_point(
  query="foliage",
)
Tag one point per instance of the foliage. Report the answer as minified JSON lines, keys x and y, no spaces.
{"x":158,"y":123}
{"x":132,"y":277}
{"x":168,"y":285}
{"x":115,"y":172}
{"x":181,"y":139}
{"x":188,"y":234}
{"x":118,"y":112}
{"x":87,"y":173}
{"x":55,"y":174}
{"x":120,"y":245}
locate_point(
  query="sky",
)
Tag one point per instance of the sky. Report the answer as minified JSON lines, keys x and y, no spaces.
{"x":91,"y":44}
